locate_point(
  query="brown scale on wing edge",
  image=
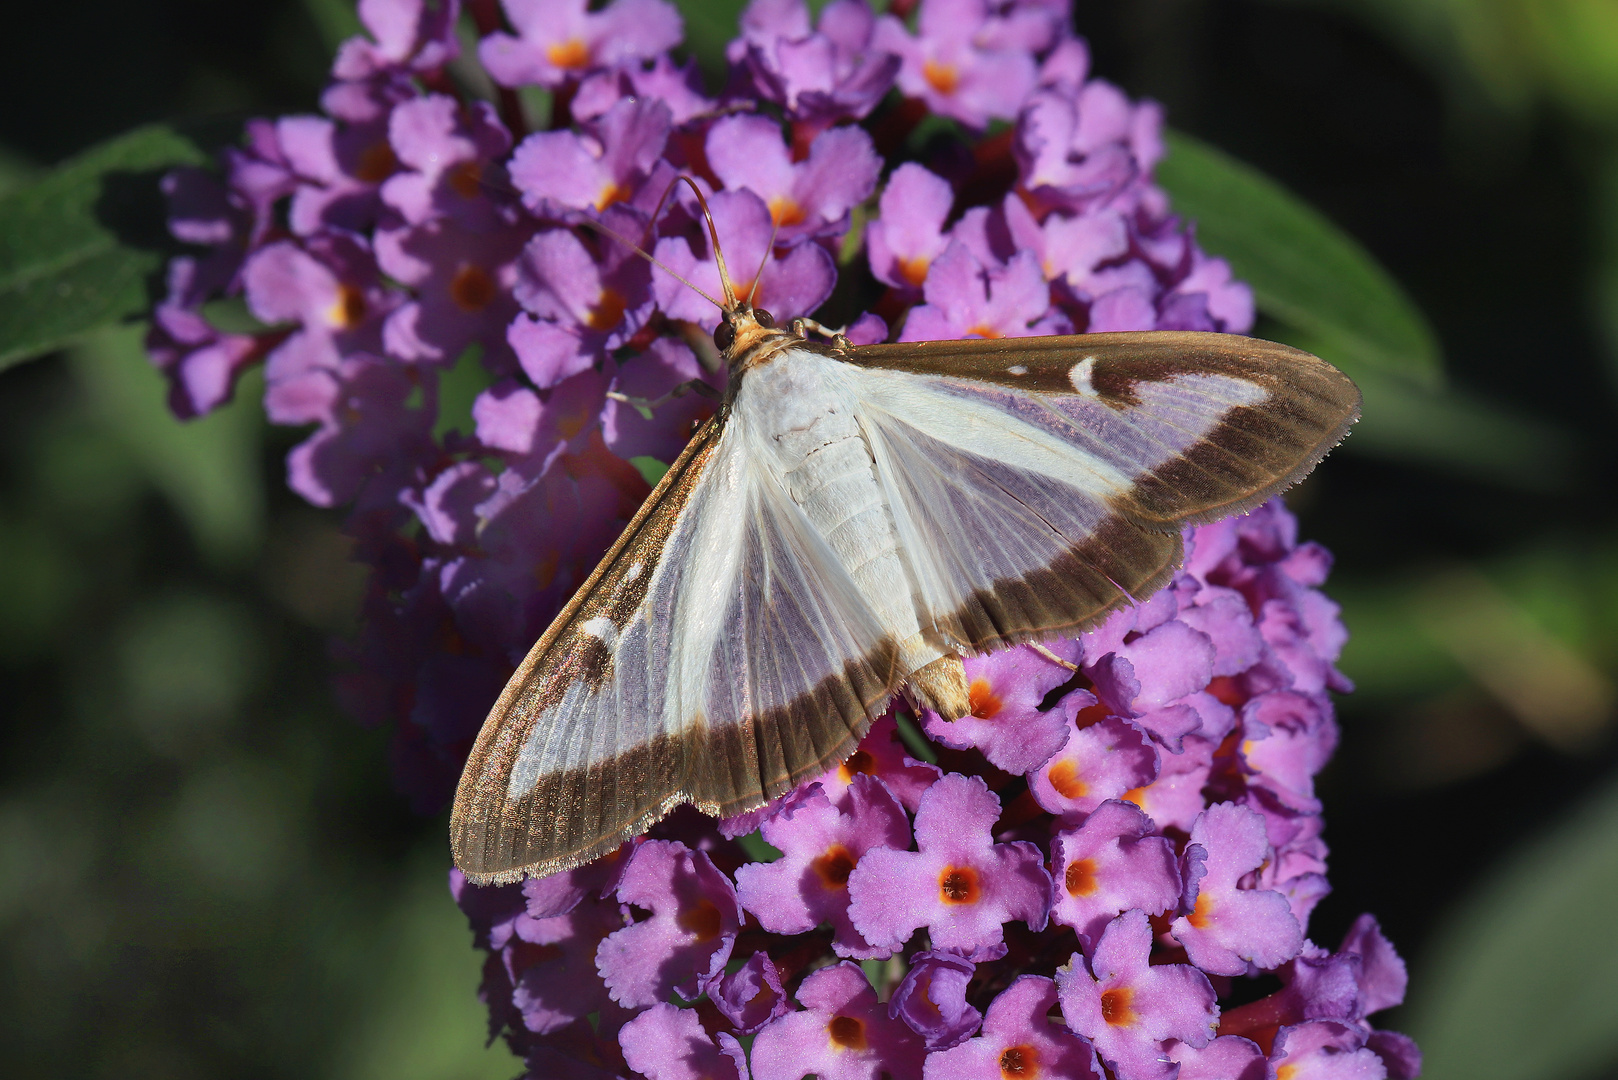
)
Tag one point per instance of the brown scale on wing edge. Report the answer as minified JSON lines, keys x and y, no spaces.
{"x":640,"y":786}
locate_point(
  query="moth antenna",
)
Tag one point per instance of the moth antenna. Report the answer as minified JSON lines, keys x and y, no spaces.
{"x":713,"y":234}
{"x":752,"y":290}
{"x":654,"y":260}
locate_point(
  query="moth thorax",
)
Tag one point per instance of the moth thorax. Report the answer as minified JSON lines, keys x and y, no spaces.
{"x":941,"y":687}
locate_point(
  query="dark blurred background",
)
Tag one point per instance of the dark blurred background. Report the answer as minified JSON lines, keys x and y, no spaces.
{"x":205,"y":871}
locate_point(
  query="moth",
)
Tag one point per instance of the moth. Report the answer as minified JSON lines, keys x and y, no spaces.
{"x":851,"y":522}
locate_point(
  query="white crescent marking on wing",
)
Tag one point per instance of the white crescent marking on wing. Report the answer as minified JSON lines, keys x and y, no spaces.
{"x":1080,"y":376}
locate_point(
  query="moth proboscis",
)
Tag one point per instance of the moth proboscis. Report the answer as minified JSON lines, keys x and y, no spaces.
{"x":849,"y":524}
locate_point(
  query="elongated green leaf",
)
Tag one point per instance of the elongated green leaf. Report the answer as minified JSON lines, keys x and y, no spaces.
{"x":1522,"y":984}
{"x":80,"y":247}
{"x":1305,"y":272}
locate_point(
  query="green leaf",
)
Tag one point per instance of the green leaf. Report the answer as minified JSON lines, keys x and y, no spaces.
{"x":82,"y":247}
{"x":1522,"y":983}
{"x":709,"y":26}
{"x":1305,"y":272}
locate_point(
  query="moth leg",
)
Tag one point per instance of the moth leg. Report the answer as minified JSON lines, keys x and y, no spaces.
{"x":802,"y":327}
{"x":646,"y":406}
{"x":1052,"y":657}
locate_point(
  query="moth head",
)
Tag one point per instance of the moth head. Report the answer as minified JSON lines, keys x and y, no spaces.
{"x":743,"y":323}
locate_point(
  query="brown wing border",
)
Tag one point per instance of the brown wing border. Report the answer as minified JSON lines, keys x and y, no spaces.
{"x":1254,"y":453}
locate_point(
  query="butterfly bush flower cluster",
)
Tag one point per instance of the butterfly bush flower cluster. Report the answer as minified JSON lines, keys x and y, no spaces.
{"x":1067,"y":882}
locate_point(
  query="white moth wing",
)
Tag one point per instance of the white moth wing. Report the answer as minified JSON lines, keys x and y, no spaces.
{"x":1039,"y":483}
{"x":718,"y":656}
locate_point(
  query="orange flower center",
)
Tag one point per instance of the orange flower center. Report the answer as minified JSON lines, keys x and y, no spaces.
{"x":607,"y":312}
{"x":958,"y":885}
{"x":1136,"y":796}
{"x":348,"y":309}
{"x":915,"y":270}
{"x":859,"y":762}
{"x":701,"y":921}
{"x":472,"y":288}
{"x":784,"y":211}
{"x":846,"y":1033}
{"x":941,"y":77}
{"x":377,"y":163}
{"x":612,"y":193}
{"x":985,"y":702}
{"x":834,"y":866}
{"x":1080,"y":878}
{"x":1064,"y":777}
{"x":1201,"y":915}
{"x":466,"y":179}
{"x":569,"y":55}
{"x":984,"y":331}
{"x":1116,"y":1006}
{"x":1019,"y":1062}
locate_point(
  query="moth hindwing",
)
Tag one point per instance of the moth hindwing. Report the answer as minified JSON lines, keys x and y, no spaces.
{"x":853,"y":520}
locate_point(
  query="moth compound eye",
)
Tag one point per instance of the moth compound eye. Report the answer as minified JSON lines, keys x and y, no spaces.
{"x":764,"y":318}
{"x":724,"y":336}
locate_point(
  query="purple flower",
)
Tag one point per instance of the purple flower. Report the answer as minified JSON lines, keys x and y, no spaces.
{"x":752,"y":995}
{"x":555,"y":981}
{"x":1130,"y":1009}
{"x":1018,"y":1040}
{"x":341,"y":164}
{"x":1076,"y":150}
{"x":842,"y":1033}
{"x":569,"y":175}
{"x":678,"y":87}
{"x":200,"y":362}
{"x":366,"y":423}
{"x":687,"y":939}
{"x":959,"y":884}
{"x":967,"y":299}
{"x":667,"y":1043}
{"x":909,"y":235}
{"x":818,"y":77}
{"x":932,"y":999}
{"x":809,"y":198}
{"x":1289,"y":739}
{"x":581,"y":309}
{"x":821,"y":845}
{"x":962,"y":63}
{"x":1228,"y":1057}
{"x":462,"y":283}
{"x":1107,"y":866}
{"x":560,"y":39}
{"x":1005,"y":723}
{"x":1323,"y":1050}
{"x":882,"y":754}
{"x":411,"y":35}
{"x":1105,"y":759}
{"x":445,"y":150}
{"x":1229,"y":927}
{"x":787,"y":285}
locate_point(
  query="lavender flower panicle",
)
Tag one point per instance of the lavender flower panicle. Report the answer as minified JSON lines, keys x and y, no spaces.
{"x":1117,"y":857}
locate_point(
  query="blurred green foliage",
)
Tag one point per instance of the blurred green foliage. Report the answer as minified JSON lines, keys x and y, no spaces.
{"x":203,"y":870}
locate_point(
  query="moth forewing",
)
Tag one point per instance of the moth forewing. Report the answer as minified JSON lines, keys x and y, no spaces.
{"x":501,"y":825}
{"x":1209,"y":424}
